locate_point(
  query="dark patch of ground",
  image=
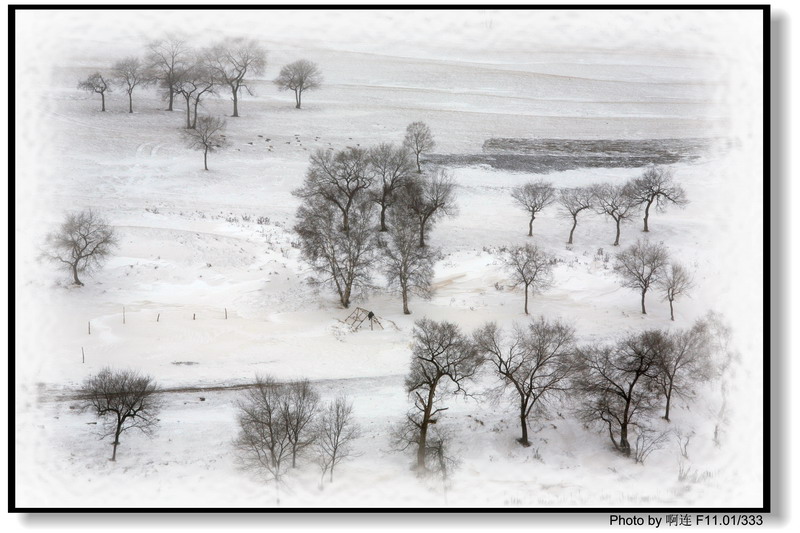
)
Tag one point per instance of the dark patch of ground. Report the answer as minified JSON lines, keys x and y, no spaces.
{"x":540,"y":156}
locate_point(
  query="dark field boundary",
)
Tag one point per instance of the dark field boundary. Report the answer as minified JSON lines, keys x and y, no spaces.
{"x":541,"y":156}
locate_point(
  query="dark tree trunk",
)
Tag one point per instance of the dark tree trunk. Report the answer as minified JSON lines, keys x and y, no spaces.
{"x":419,"y":168}
{"x":669,"y":397}
{"x":383,"y":218}
{"x":644,"y":311}
{"x":205,"y":158}
{"x":624,"y":445}
{"x":523,"y":420}
{"x":671,"y":311}
{"x":647,"y":215}
{"x":616,"y":241}
{"x":102,"y":101}
{"x":75,"y":279}
{"x":526,"y":299}
{"x":345,"y":220}
{"x":235,"y":92}
{"x":422,"y":235}
{"x":405,"y":301}
{"x":574,"y":225}
{"x":130,"y":102}
{"x":171,"y":98}
{"x":423,"y":430}
{"x":188,"y":113}
{"x":345,"y":299}
{"x":116,"y":441}
{"x":194,"y":120}
{"x":297,"y":96}
{"x":530,"y":226}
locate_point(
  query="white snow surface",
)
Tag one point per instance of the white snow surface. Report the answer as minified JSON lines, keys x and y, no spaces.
{"x":190,"y":249}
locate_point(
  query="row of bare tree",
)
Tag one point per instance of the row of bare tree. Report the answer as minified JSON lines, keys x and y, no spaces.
{"x":181,"y":71}
{"x":278,"y":421}
{"x":617,"y":385}
{"x":655,"y":188}
{"x":363,"y":208}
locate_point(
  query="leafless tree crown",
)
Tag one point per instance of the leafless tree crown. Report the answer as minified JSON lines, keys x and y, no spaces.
{"x":573,"y":201}
{"x":419,"y":139}
{"x":343,"y":260}
{"x":82,"y":242}
{"x":530,"y":267}
{"x":533,"y":362}
{"x":336,"y":431}
{"x":641,"y":266}
{"x":391,"y":167}
{"x":165,"y":59}
{"x":232,"y":62}
{"x":533,"y":197}
{"x":207,"y":136}
{"x":614,"y":381}
{"x":97,"y":83}
{"x":656,"y":186}
{"x":441,"y":353}
{"x":614,"y":201}
{"x":263,"y":440}
{"x":406,"y":265}
{"x":124,"y":399}
{"x":340,"y":179}
{"x":130,"y":73}
{"x":427,"y":198}
{"x":300,"y":76}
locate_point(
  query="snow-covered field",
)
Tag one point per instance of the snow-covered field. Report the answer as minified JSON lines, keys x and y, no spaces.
{"x":190,"y":246}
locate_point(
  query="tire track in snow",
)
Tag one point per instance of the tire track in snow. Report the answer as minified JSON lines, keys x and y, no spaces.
{"x":61,"y":395}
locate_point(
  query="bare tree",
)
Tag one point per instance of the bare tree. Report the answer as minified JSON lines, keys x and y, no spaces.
{"x":96,"y":83}
{"x":647,"y":441}
{"x":641,"y":266}
{"x":533,"y":197}
{"x":206,"y":136}
{"x":82,"y":242}
{"x":614,"y":380}
{"x":392,"y":167}
{"x":343,"y":260}
{"x":124,"y":399}
{"x":131,"y":73}
{"x":685,"y":362}
{"x":657,"y":186}
{"x":574,"y":201}
{"x":419,"y":139}
{"x":232,"y":61}
{"x":534,"y":364}
{"x":614,"y":201}
{"x":428,"y":198}
{"x":340,"y":179}
{"x":298,"y":409}
{"x":406,"y":265}
{"x":302,"y":75}
{"x":530,"y":267}
{"x":441,"y":354}
{"x":166,"y":58}
{"x":263,"y":440}
{"x":676,"y":281}
{"x":336,"y":431}
{"x":193,"y":80}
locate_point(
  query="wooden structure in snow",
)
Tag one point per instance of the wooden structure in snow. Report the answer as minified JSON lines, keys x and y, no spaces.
{"x":361,"y":315}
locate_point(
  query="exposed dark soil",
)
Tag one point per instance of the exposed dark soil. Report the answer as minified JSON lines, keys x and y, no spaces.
{"x":541,"y":156}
